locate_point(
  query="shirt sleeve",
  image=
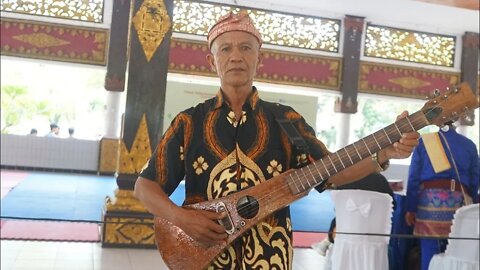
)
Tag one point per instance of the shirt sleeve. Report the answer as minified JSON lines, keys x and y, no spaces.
{"x":166,"y":165}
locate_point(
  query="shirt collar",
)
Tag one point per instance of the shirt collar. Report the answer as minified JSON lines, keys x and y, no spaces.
{"x":252,"y":99}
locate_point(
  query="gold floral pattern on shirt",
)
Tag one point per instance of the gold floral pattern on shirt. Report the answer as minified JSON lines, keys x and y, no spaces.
{"x":182,"y":157}
{"x":200,"y":165}
{"x":274,"y":168}
{"x":232,"y":120}
{"x":302,"y":159}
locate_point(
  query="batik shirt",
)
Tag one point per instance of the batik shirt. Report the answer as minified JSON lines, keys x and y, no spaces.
{"x":218,"y":155}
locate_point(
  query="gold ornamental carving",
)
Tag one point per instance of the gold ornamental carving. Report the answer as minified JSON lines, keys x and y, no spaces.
{"x":124,"y":200}
{"x":41,"y":40}
{"x":409,"y":82}
{"x":129,"y":231}
{"x":132,"y":162}
{"x":152,"y":23}
{"x":109,"y":155}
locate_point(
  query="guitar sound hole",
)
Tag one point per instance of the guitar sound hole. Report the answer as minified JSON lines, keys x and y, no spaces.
{"x":247,"y":207}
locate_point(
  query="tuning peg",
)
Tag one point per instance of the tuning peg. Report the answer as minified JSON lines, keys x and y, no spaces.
{"x":436,"y":92}
{"x":454,"y":114}
{"x":456,"y":90}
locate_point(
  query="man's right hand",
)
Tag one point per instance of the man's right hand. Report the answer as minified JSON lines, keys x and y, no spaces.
{"x":202,"y":225}
{"x":410,"y":218}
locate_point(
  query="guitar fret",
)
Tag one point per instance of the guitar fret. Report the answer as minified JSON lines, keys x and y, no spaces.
{"x":390,"y":141}
{"x":340,"y":160}
{"x":360,"y":156}
{"x":413,"y":129}
{"x":301,"y":182}
{"x":368,"y":149}
{"x":321,"y":176}
{"x":345,"y":149}
{"x":379,"y":147}
{"x":294,"y":182}
{"x":332,"y":164}
{"x":399,"y":132}
{"x":305,"y":175}
{"x":313,"y":176}
{"x":325,"y":167}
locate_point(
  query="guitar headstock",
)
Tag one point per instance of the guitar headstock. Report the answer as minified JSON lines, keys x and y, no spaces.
{"x":450,"y":105}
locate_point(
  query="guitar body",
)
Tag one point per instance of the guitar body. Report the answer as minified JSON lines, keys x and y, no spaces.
{"x":180,"y":251}
{"x":249,"y":206}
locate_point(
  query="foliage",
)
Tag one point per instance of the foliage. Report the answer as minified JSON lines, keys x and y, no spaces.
{"x":18,"y":106}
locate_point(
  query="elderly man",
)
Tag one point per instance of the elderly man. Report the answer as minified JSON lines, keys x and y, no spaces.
{"x":232,"y":142}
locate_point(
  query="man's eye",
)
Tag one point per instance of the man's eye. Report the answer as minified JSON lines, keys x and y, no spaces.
{"x":245,"y":48}
{"x":225,"y":49}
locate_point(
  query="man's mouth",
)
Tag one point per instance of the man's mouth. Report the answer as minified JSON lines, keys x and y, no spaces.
{"x":236,"y":69}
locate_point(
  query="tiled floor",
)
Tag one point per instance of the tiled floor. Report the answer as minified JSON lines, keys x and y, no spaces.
{"x":37,"y":255}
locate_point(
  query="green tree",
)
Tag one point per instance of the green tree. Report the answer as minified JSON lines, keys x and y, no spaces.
{"x":13,"y":105}
{"x":373,"y":118}
{"x":18,"y":106}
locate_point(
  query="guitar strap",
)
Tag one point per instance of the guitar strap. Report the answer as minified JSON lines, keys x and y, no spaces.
{"x":287,"y":126}
{"x":294,"y":136}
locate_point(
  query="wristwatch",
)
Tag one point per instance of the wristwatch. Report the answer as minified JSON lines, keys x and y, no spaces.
{"x":380,"y":167}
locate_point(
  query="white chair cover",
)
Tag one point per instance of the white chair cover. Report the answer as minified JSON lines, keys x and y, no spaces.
{"x":461,"y":254}
{"x":363,"y":212}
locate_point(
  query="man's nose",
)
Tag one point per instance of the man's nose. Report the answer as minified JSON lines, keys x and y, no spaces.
{"x":236,"y":55}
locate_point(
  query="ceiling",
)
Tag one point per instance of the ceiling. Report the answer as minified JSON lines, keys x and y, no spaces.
{"x":451,"y":17}
{"x":468,"y":4}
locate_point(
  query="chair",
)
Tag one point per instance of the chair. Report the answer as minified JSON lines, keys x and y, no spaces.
{"x":461,"y":254}
{"x":363,"y":212}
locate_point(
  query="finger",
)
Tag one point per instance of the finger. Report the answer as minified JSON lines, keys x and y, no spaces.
{"x":402,"y":115}
{"x":214,"y":236}
{"x":214,"y":215}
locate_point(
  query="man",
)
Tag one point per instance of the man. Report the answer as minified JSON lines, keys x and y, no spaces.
{"x":54,"y":131}
{"x":435,"y":189}
{"x":232,"y":142}
{"x":71,"y":131}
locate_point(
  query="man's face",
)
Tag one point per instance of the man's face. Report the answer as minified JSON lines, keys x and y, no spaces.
{"x":235,"y":57}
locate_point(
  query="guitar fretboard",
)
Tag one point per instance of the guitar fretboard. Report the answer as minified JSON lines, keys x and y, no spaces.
{"x":313,"y":174}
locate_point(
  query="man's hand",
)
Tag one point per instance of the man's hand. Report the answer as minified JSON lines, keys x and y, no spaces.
{"x":410,"y":218}
{"x":202,"y":226}
{"x":404,"y":147}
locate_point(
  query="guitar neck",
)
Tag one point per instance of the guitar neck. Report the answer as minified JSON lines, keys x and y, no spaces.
{"x":313,"y":174}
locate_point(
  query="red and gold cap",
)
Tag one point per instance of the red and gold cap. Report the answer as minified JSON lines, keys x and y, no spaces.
{"x":233,"y":22}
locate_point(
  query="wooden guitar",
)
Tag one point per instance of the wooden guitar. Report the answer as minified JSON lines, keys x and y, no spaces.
{"x":247,"y":207}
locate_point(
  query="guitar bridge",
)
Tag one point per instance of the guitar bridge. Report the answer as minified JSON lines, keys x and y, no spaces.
{"x":226,"y":222}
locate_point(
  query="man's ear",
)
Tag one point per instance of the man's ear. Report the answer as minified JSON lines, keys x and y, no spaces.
{"x":260,"y":60}
{"x":211,"y":62}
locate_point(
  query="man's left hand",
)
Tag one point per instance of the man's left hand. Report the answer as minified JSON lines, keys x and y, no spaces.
{"x":404,"y":147}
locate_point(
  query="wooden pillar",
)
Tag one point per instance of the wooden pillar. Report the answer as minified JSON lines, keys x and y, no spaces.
{"x":115,"y":82}
{"x":469,"y":66}
{"x":351,"y":64}
{"x":126,"y":221}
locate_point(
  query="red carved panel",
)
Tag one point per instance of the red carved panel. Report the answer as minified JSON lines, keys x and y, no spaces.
{"x":403,"y":81}
{"x":278,"y":67}
{"x":53,"y":41}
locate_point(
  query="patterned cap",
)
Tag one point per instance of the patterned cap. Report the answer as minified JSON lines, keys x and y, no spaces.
{"x":233,"y":22}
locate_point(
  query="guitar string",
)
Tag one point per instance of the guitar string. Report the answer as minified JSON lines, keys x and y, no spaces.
{"x":403,"y":125}
{"x":248,"y":206}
